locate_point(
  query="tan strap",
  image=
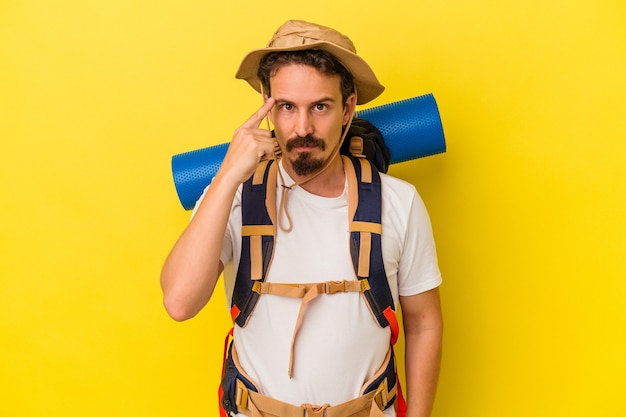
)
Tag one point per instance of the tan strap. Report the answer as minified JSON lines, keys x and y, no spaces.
{"x":314,"y":291}
{"x":256,"y":258}
{"x":259,"y":172}
{"x":256,"y":232}
{"x":366,"y":170}
{"x":284,"y":290}
{"x":383,"y":393}
{"x":363,"y":269}
{"x":300,"y":290}
{"x":270,"y":194}
{"x":356,"y":147}
{"x":365,"y":229}
{"x":307,"y":292}
{"x":315,"y":410}
{"x":353,"y":188}
{"x":258,"y":405}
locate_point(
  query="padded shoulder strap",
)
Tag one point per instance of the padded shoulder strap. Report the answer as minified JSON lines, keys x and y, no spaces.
{"x":258,"y":207}
{"x":365,"y":211}
{"x":258,"y":234}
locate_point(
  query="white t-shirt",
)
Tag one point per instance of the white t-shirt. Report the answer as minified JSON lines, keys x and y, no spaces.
{"x":339,"y":345}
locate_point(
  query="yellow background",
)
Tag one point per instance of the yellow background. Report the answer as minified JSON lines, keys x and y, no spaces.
{"x":528,"y":204}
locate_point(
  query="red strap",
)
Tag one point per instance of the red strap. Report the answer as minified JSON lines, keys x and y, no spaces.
{"x":390,"y":315}
{"x":401,"y":405}
{"x":234,"y":312}
{"x":220,"y":391}
{"x":220,"y":394}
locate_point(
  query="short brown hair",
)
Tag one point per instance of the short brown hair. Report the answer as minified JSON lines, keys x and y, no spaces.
{"x":321,"y":60}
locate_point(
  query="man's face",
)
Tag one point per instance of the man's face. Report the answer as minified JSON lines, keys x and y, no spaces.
{"x":308,"y":116}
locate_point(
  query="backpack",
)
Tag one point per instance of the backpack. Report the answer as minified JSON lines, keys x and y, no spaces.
{"x":365,"y":140}
{"x":369,"y":155}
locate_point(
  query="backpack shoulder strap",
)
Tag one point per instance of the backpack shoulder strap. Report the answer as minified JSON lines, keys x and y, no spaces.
{"x":365,"y":214}
{"x":258,"y":207}
{"x":258,"y":234}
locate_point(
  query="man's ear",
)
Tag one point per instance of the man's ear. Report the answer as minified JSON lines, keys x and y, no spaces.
{"x":349,"y":108}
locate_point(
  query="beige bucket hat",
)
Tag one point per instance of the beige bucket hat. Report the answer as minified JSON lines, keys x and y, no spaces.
{"x":297,"y":35}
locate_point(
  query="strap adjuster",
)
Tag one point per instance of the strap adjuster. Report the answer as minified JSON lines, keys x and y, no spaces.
{"x":333,"y":287}
{"x":315,"y":410}
{"x":382,"y":395}
{"x":241,"y":395}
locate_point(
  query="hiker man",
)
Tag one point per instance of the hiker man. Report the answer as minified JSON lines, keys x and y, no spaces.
{"x":318,"y":249}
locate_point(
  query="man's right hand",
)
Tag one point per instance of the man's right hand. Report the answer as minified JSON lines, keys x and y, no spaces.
{"x":193,"y":266}
{"x":250,"y":145}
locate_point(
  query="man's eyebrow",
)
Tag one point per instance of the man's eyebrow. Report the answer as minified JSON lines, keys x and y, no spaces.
{"x":313,"y":103}
{"x":282,"y":101}
{"x":324,"y":100}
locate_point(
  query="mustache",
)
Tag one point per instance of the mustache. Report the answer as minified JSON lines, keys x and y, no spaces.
{"x":305,"y":141}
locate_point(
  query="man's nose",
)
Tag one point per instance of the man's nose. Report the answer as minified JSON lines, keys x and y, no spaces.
{"x":304,"y":124}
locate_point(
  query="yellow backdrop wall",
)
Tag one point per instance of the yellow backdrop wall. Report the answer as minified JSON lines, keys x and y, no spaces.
{"x":527,"y":204}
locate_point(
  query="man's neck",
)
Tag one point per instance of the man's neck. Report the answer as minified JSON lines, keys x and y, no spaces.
{"x":330,"y":183}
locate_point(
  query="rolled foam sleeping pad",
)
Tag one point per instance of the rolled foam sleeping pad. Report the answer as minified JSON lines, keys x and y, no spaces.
{"x":412,"y":129}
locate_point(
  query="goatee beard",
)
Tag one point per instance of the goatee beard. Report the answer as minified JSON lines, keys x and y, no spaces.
{"x":305,"y":164}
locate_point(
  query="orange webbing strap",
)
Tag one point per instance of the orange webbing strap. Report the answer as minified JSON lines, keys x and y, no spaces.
{"x":220,"y":391}
{"x":234,"y":312}
{"x":258,"y":405}
{"x":400,"y":404}
{"x":306,"y":292}
{"x":390,"y":315}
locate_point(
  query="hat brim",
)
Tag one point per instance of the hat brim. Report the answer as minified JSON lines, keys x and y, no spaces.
{"x":367,"y":85}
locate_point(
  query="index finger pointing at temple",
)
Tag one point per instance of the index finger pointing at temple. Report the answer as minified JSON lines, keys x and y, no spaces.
{"x":255,"y":120}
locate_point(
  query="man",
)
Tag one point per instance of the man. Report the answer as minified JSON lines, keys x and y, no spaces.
{"x":315,"y":353}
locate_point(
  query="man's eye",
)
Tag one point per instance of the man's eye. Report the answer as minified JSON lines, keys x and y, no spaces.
{"x":287,"y":106}
{"x":320,"y":107}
